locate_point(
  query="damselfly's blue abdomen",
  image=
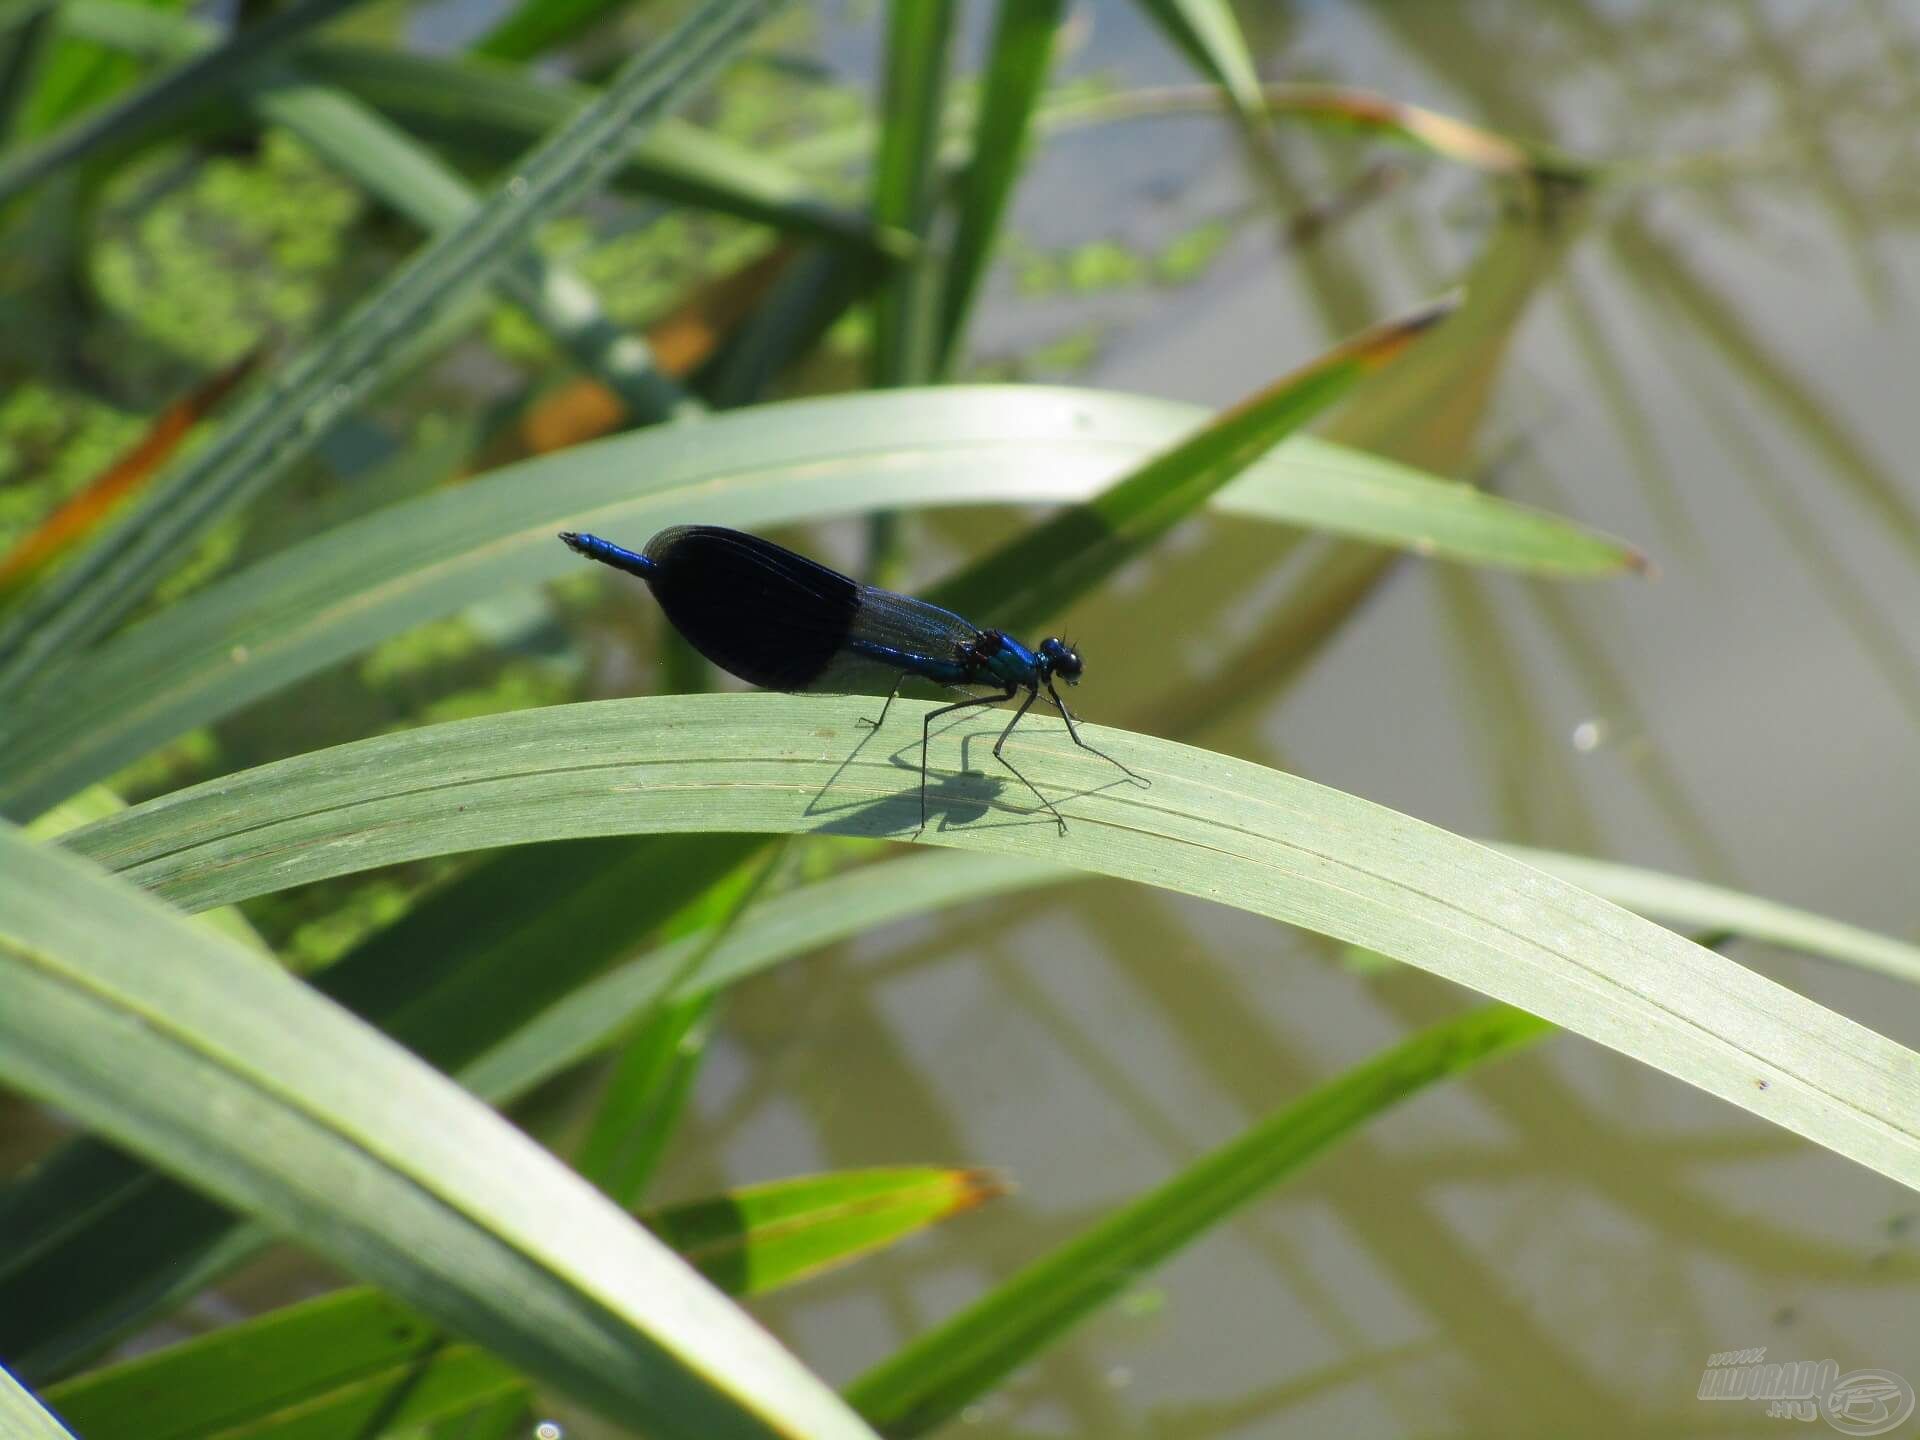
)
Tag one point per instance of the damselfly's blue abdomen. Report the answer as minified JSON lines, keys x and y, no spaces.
{"x":608,"y":553}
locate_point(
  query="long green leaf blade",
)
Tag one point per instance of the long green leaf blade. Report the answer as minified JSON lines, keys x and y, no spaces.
{"x":280,"y":424}
{"x":906,"y":175}
{"x":1016,"y":73}
{"x":209,"y":1058}
{"x":1211,"y":826}
{"x":332,"y":596}
{"x":1023,"y":584}
{"x":940,"y":1372}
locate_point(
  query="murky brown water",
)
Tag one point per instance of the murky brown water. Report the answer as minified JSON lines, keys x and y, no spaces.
{"x":1723,"y":369}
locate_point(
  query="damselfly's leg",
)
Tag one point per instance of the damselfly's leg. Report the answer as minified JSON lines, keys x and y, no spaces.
{"x":1067,"y":715}
{"x":926,"y":734}
{"x":1025,"y":705}
{"x":876,"y":724}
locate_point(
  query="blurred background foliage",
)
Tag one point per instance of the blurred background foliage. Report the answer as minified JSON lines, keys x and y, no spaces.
{"x":1691,"y":236}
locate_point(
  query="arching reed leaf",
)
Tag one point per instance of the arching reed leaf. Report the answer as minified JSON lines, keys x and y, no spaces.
{"x":332,"y":596}
{"x":1211,"y":826}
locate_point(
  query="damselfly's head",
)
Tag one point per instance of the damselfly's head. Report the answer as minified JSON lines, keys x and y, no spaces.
{"x":1062,"y":659}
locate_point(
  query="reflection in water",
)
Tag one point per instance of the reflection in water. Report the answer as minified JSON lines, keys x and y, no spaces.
{"x":1695,"y":360}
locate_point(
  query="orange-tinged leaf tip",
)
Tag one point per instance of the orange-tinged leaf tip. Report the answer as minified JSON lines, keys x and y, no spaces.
{"x":82,"y":513}
{"x":974,"y":1188}
{"x":1373,"y":348}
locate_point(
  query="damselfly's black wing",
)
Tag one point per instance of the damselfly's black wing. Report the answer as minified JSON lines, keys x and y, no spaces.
{"x":783,"y":622}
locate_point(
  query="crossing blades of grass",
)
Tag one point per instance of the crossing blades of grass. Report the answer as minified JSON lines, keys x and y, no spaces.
{"x":412,"y":181}
{"x":98,"y":1242}
{"x":47,"y":1280}
{"x":493,"y":112}
{"x":208,"y":1058}
{"x":1211,"y":826}
{"x":356,"y":1361}
{"x":283,"y":421}
{"x":351,"y":1363}
{"x":323,"y":600}
{"x":1210,"y":35}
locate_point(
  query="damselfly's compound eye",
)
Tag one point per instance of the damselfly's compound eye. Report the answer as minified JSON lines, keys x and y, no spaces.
{"x":1064,"y":659}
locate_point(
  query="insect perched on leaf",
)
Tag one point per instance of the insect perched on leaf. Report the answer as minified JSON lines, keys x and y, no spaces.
{"x":783,"y":622}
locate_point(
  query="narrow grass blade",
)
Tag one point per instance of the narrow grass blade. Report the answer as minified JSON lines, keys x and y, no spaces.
{"x":26,"y":35}
{"x":24,"y":1418}
{"x":593,"y":1016}
{"x":76,"y":75}
{"x":1207,"y":31}
{"x":1338,"y":107}
{"x":494,"y":109}
{"x":762,"y":1237}
{"x":646,"y":1091}
{"x":1210,"y":826}
{"x":906,"y":176}
{"x":166,"y":96}
{"x":351,"y":1363}
{"x":1016,"y":73}
{"x":651,"y":1079}
{"x":211,"y":1059}
{"x":535,"y":26}
{"x":410,"y":180}
{"x":957,"y":1361}
{"x":281,"y":424}
{"x":1024,"y":583}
